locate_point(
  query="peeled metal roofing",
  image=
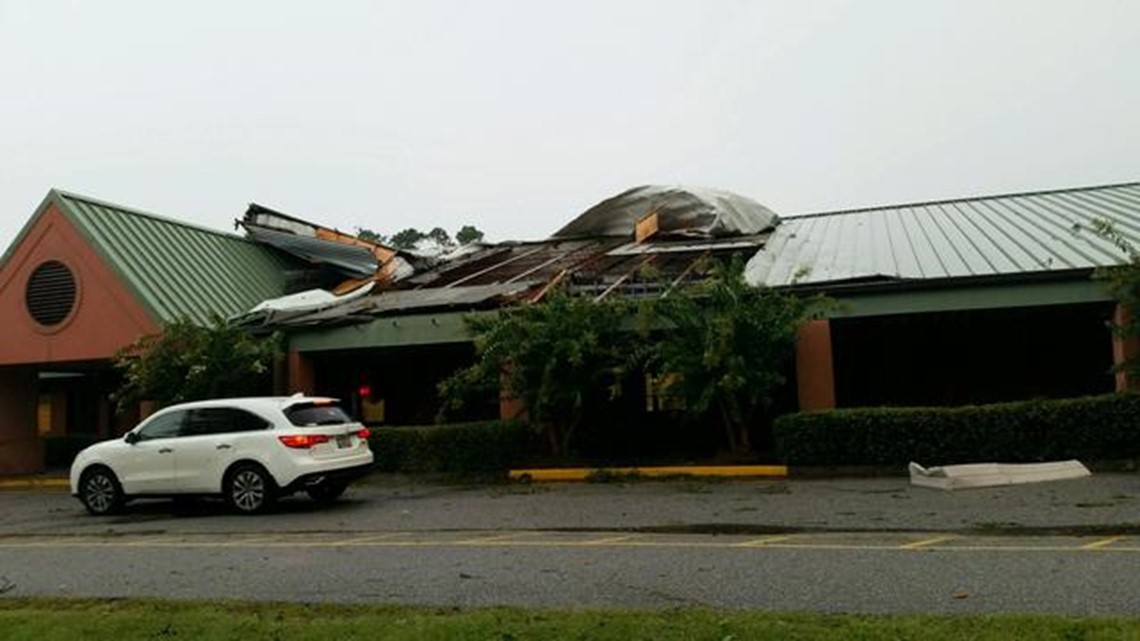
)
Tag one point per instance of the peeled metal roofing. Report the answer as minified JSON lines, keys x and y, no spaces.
{"x":356,"y":261}
{"x":684,"y":211}
{"x":176,"y":269}
{"x":985,"y":236}
{"x":506,"y":273}
{"x":393,"y":302}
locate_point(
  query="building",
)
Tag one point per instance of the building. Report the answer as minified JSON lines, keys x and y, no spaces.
{"x":951,"y":302}
{"x":970,"y":300}
{"x":85,"y":278}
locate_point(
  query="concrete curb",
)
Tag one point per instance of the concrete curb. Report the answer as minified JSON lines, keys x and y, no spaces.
{"x":585,"y":474}
{"x":35,"y":482}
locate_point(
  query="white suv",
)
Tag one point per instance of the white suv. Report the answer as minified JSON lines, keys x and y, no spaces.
{"x":248,"y":450}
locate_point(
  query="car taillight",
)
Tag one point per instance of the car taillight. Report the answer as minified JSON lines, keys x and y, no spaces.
{"x":303,"y":441}
{"x":363,"y":433}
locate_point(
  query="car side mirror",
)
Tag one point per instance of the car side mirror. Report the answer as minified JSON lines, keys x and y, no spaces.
{"x":131,"y":438}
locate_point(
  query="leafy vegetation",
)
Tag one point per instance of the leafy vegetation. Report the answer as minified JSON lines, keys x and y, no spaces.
{"x":1124,"y":285}
{"x":457,"y":448}
{"x":411,"y":237}
{"x":1091,"y":428}
{"x":124,"y":620}
{"x":728,"y":345}
{"x":186,"y":362}
{"x":554,"y":357}
{"x":468,"y":234}
{"x":721,"y":347}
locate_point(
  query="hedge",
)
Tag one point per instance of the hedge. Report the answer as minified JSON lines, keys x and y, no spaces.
{"x":1089,"y":428}
{"x":458,"y":448}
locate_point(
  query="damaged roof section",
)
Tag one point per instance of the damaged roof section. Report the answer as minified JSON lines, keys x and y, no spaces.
{"x":324,"y":246}
{"x":695,"y":212}
{"x":515,"y":273}
{"x":351,"y":308}
{"x":641,"y":243}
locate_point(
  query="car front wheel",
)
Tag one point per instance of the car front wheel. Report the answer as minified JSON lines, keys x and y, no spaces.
{"x":249,"y":489}
{"x":100,"y":492}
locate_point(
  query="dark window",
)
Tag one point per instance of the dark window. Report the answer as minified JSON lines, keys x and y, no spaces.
{"x":314,"y":414}
{"x":165,"y":426}
{"x":222,"y":420}
{"x":50,"y":294}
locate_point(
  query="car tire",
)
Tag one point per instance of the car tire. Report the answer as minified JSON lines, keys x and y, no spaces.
{"x":249,"y":489}
{"x":100,"y":492}
{"x":326,"y":492}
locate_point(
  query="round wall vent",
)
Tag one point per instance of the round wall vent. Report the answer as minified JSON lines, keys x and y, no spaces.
{"x":51,"y":293}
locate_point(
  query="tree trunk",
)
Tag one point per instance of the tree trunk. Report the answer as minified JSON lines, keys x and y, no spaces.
{"x":554,"y":439}
{"x":745,"y":440}
{"x":568,"y":430}
{"x":729,"y":427}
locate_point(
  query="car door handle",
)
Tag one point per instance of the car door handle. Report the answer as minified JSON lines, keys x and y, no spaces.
{"x":165,"y":450}
{"x":224,"y":446}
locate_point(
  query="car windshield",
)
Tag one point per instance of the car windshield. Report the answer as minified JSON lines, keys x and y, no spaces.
{"x":316,"y":414}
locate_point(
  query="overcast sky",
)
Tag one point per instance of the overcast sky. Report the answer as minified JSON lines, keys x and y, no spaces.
{"x":516,"y":116}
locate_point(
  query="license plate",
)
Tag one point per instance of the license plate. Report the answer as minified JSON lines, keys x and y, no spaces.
{"x":344,"y":440}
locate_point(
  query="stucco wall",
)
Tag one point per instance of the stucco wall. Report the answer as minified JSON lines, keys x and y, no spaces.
{"x":106,"y":316}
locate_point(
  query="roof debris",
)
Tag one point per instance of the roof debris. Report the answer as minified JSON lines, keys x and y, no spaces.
{"x":598,"y":255}
{"x":696,"y":212}
{"x":325,"y":246}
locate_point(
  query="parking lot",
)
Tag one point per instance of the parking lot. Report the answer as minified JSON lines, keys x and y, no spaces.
{"x":865,"y":545}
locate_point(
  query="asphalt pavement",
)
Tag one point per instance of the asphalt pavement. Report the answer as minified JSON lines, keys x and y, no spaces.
{"x":1101,"y":502}
{"x":831,"y":545}
{"x":1110,"y":501}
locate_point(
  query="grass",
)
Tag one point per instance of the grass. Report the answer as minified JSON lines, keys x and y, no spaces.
{"x":122,"y":620}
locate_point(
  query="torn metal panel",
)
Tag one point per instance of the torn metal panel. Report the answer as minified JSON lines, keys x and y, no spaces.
{"x":971,"y":475}
{"x":306,"y":302}
{"x":355,"y":261}
{"x":407,"y":301}
{"x":680,"y":211}
{"x":326,"y":246}
{"x":487,"y":276}
{"x":310,"y":300}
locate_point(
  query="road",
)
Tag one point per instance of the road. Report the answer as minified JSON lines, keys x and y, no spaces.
{"x":468,"y":546}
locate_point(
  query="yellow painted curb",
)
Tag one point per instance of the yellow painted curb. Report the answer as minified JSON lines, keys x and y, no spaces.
{"x":33,"y":483}
{"x":582,"y":474}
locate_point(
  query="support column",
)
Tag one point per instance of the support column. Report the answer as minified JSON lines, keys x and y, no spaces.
{"x":302,"y":377}
{"x":815,"y":377}
{"x":1124,"y":349}
{"x":21,"y":449}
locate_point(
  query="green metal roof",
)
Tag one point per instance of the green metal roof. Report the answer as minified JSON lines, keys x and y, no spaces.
{"x":1015,"y":234}
{"x":174,"y":268}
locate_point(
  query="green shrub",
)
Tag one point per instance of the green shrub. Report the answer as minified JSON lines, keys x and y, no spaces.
{"x":459,"y":448}
{"x":1089,"y":428}
{"x":60,"y":451}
